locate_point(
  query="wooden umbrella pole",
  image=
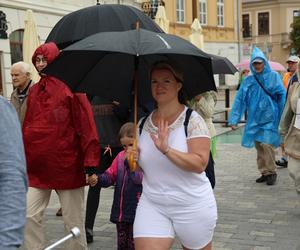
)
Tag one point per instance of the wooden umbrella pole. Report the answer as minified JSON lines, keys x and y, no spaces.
{"x":132,"y":163}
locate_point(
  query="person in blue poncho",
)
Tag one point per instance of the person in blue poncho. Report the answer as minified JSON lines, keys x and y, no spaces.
{"x":262,"y":95}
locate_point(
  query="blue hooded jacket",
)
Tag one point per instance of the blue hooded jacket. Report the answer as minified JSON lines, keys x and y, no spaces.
{"x":264,"y":112}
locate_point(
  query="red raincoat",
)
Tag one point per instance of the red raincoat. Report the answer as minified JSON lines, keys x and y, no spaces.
{"x":59,"y":132}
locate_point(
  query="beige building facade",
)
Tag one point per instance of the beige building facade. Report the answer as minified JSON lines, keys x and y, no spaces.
{"x":219,"y":22}
{"x":266,"y":24}
{"x":47,"y":13}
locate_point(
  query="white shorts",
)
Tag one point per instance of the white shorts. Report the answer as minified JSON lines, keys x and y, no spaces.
{"x":193,"y":224}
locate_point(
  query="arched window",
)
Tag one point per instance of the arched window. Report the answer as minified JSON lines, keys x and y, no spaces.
{"x":16,"y":45}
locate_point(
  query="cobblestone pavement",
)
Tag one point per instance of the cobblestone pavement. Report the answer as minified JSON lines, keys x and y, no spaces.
{"x":251,"y":215}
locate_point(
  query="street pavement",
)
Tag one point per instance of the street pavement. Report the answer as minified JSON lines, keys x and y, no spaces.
{"x":250,"y":215}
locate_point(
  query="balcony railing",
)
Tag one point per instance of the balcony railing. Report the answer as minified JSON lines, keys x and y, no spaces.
{"x":150,"y":7}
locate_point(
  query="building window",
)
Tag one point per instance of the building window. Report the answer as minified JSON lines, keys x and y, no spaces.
{"x":16,"y":45}
{"x":220,"y":12}
{"x":296,"y":14}
{"x":203,"y":11}
{"x":246,"y":25}
{"x":263,"y":23}
{"x":180,"y":11}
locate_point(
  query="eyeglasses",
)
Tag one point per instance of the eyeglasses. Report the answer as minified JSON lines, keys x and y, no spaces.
{"x":41,"y":60}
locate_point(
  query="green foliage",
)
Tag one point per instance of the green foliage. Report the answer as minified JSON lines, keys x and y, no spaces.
{"x":295,"y":34}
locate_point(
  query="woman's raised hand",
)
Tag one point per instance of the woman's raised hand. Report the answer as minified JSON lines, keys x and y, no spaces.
{"x":161,"y":139}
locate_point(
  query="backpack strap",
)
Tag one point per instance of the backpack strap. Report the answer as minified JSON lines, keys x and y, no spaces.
{"x":142,"y":124}
{"x":186,"y":120}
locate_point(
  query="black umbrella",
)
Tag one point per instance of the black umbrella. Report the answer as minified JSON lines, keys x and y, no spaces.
{"x":221,"y":65}
{"x":108,"y":63}
{"x":99,"y":18}
{"x":105,"y":64}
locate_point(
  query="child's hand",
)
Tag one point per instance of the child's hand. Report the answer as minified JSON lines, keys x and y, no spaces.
{"x":92,"y":180}
{"x":131,"y":152}
{"x":234,"y":127}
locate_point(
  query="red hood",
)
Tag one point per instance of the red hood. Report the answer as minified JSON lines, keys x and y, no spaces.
{"x":48,"y":50}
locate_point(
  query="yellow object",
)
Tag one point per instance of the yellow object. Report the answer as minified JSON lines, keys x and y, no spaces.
{"x":286,"y":78}
{"x":132,"y":163}
{"x":30,"y":42}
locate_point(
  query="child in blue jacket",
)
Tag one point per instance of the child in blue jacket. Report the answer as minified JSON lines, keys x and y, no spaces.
{"x":128,"y":189}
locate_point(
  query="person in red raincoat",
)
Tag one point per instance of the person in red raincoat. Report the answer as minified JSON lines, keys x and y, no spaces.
{"x":62,"y":152}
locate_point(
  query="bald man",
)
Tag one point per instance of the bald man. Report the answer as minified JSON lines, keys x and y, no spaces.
{"x":21,"y":80}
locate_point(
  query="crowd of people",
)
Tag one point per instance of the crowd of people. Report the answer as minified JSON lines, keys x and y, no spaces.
{"x":71,"y":140}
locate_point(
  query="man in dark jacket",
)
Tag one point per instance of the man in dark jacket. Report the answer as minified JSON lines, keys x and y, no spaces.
{"x":21,"y":80}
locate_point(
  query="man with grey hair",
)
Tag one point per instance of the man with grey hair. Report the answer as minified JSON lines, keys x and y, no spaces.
{"x":21,"y":80}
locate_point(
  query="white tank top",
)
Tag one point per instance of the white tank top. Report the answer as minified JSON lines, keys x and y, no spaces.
{"x":162,"y":178}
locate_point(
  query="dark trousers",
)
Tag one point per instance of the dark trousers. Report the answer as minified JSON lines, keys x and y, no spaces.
{"x":93,"y":196}
{"x":125,"y":236}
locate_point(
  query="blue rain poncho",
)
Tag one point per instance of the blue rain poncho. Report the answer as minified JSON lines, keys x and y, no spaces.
{"x":263,"y":111}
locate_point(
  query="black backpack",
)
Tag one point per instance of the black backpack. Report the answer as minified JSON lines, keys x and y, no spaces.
{"x":210,"y":169}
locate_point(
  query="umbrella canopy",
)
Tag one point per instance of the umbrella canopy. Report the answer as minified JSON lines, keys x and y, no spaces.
{"x":105,"y":64}
{"x":221,"y":65}
{"x":196,"y":36}
{"x":161,"y":19}
{"x":245,"y":64}
{"x":99,"y":18}
{"x":30,"y":42}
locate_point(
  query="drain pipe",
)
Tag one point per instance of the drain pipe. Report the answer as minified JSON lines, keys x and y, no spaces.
{"x":239,"y":29}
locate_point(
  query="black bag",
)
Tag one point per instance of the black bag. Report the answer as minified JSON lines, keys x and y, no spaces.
{"x":210,"y":169}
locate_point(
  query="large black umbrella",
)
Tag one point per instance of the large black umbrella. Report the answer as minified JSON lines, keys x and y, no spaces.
{"x":106,"y":63}
{"x":221,"y":65}
{"x":117,"y":64}
{"x":99,"y":18}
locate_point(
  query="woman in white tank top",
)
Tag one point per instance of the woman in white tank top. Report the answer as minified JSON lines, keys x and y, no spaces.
{"x":177,"y":198}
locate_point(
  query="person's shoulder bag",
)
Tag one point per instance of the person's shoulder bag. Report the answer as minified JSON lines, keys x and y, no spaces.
{"x":264,"y":89}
